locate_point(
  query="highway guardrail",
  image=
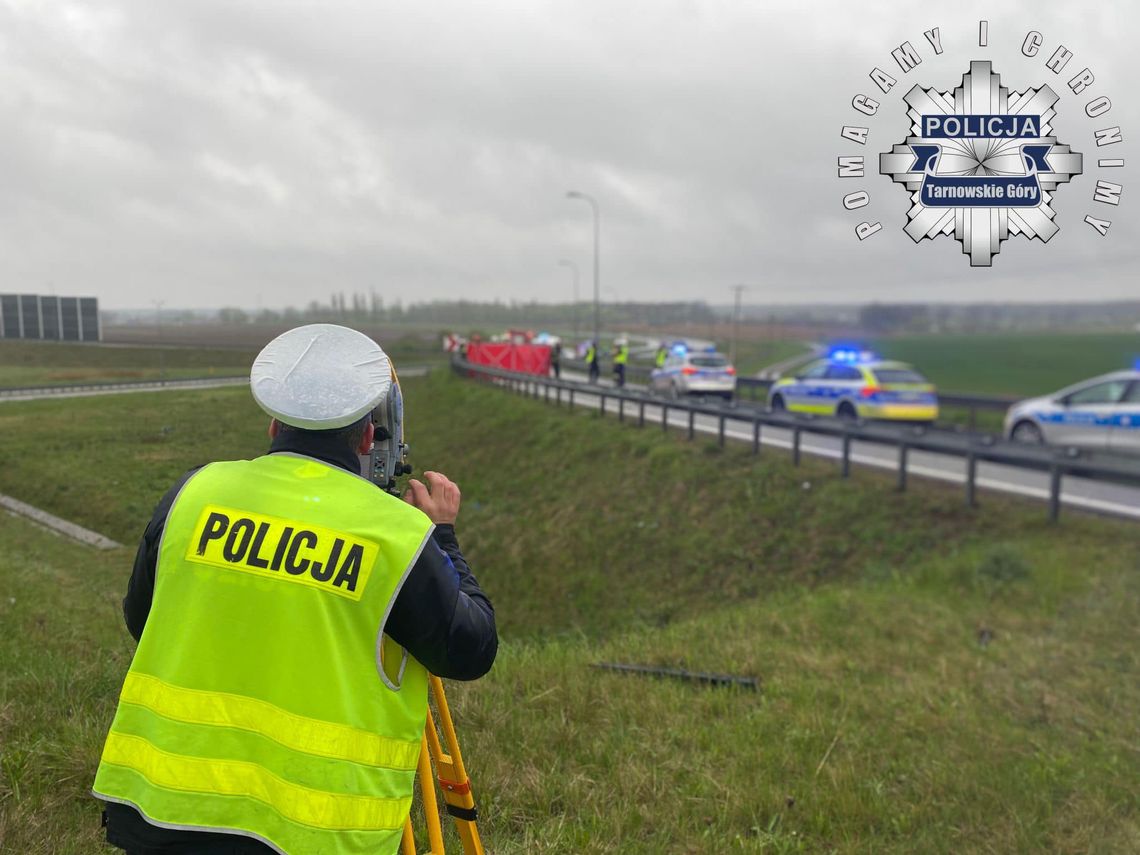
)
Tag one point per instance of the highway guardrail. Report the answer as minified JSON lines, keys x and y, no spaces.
{"x":970,"y":447}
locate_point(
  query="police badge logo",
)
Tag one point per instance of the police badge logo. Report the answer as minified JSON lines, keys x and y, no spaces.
{"x":981,"y":163}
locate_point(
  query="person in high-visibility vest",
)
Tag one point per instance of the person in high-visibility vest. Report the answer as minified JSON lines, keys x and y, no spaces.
{"x":661,"y":355}
{"x":556,"y":358}
{"x":592,"y":361}
{"x":621,"y":359}
{"x":288,"y":613}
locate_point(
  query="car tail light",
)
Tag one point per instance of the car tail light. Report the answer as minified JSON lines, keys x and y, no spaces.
{"x":869,"y":391}
{"x":688,"y":369}
{"x":730,"y":370}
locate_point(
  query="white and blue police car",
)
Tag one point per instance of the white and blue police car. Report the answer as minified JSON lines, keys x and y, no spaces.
{"x":1102,"y":413}
{"x":694,"y":372}
{"x":854,"y":383}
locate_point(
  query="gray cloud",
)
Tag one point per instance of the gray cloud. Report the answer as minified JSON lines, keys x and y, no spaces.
{"x":211,"y":153}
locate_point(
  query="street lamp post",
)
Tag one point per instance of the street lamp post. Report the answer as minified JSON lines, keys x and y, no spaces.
{"x":573,"y":269}
{"x":574,"y":194}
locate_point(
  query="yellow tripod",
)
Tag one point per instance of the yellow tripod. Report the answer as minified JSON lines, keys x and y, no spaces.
{"x":453,"y":782}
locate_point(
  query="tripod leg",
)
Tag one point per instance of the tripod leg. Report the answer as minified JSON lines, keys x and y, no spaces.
{"x":427,"y":790}
{"x":453,"y":778}
{"x":408,"y":841}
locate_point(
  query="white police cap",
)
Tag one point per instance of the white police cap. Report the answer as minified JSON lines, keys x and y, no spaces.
{"x":320,"y":377}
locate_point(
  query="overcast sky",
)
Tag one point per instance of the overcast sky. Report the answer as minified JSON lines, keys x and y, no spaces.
{"x":213,"y":152}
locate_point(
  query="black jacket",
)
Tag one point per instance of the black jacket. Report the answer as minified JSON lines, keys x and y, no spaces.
{"x":441,"y":617}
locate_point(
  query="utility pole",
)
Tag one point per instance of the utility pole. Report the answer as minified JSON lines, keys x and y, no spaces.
{"x":161,"y":353}
{"x":737,"y":290}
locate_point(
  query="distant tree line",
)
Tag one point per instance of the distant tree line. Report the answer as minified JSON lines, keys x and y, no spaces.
{"x":371,"y":308}
{"x":496,"y":315}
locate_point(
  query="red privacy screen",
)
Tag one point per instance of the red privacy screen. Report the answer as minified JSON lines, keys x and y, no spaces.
{"x":528,"y":358}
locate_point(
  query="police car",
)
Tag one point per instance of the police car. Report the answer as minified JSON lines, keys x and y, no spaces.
{"x":857,"y":384}
{"x":1101,"y":413}
{"x":689,"y":372}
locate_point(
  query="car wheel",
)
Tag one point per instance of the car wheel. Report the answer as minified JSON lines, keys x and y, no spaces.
{"x":847,"y":412}
{"x":778,"y":405}
{"x":1027,"y":432}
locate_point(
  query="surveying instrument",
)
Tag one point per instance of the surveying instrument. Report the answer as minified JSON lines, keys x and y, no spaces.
{"x":387,"y":460}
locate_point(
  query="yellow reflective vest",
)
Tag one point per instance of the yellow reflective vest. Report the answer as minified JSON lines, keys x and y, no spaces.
{"x":621,"y":357}
{"x":262,"y":699}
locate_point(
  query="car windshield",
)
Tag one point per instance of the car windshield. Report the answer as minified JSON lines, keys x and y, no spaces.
{"x":711,"y":361}
{"x":899,"y":375}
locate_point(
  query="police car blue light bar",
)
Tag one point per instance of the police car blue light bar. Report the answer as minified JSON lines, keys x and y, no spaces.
{"x":851,"y":354}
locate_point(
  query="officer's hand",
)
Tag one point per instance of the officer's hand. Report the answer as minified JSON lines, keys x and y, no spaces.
{"x":439,"y":500}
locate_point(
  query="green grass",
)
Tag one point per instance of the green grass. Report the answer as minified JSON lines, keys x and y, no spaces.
{"x":934,"y":679}
{"x":684,"y":525}
{"x":63,"y":654}
{"x":882,"y":725}
{"x":1013,"y":364}
{"x":754,"y":355}
{"x":53,"y":363}
{"x":105,"y":461}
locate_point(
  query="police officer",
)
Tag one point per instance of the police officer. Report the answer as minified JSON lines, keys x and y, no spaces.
{"x":621,"y":359}
{"x":556,"y":358}
{"x":592,"y":361}
{"x":661,"y":355}
{"x":288,"y":612}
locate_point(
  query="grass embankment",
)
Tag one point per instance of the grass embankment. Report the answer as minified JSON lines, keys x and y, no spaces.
{"x":33,"y":363}
{"x":934,"y":679}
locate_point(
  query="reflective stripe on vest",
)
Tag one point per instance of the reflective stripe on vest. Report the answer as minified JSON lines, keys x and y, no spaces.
{"x":245,"y":779}
{"x":256,"y":703}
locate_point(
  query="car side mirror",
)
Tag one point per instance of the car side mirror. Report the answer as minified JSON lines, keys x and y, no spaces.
{"x":1063,"y":402}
